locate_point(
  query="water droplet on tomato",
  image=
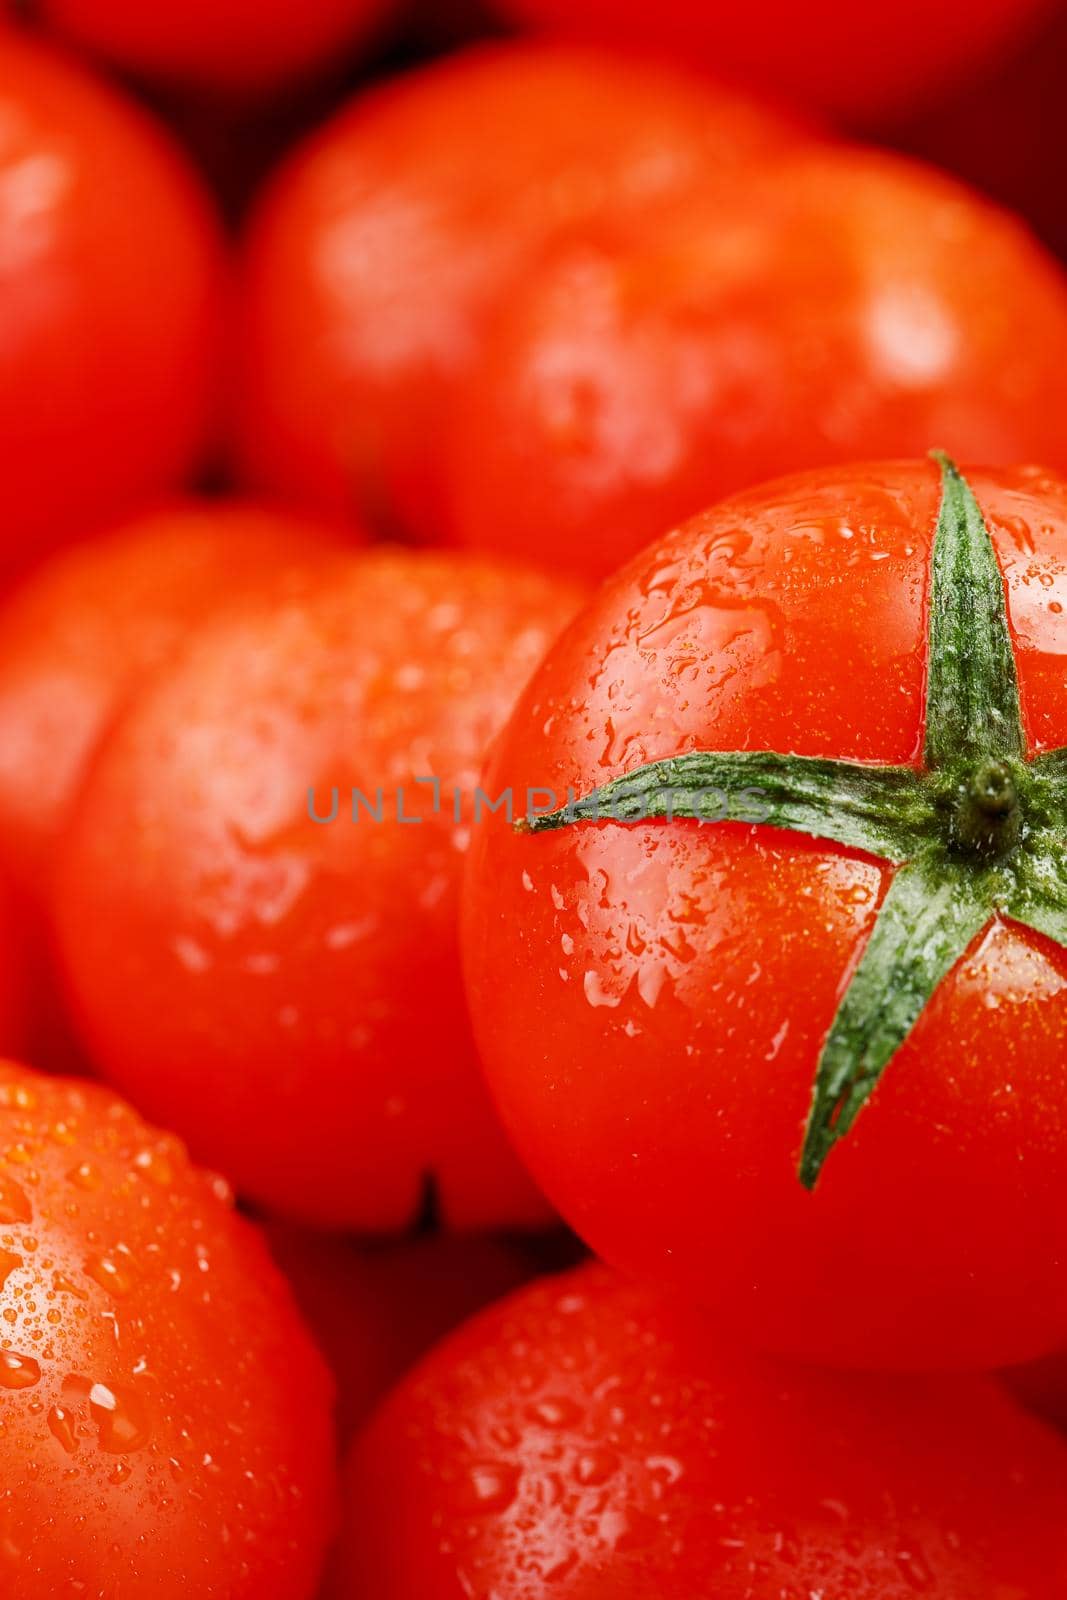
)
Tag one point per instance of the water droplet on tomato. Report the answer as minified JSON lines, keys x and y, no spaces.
{"x":18,"y":1372}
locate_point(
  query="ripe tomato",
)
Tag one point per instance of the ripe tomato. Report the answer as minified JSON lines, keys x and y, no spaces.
{"x":861,"y":62}
{"x":381,"y":247}
{"x":818,"y":314}
{"x":653,"y":1000}
{"x":234,"y":46}
{"x":83,"y":632}
{"x":588,"y":1438}
{"x":166,"y":1419}
{"x":110,"y":275}
{"x":374,"y":1308}
{"x":284,"y":990}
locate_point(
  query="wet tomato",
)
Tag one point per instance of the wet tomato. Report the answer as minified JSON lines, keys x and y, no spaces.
{"x":674,"y":1013}
{"x":816,"y":314}
{"x":166,"y":1418}
{"x":381,"y":246}
{"x":588,"y":1438}
{"x":256,"y":901}
{"x":111,"y":271}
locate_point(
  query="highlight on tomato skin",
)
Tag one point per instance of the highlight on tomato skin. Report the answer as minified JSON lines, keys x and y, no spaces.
{"x":114,"y":294}
{"x":589,"y":1437}
{"x":866,"y":63}
{"x":651,"y":999}
{"x":230,"y":47}
{"x":383,"y":243}
{"x":259,"y":942}
{"x":838,"y":304}
{"x":166,"y":1417}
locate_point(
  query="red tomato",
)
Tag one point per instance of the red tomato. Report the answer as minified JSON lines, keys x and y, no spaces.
{"x":284,"y":990}
{"x":651,"y":999}
{"x":166,"y":1419}
{"x":382,"y":245}
{"x":233,"y":46}
{"x":375,"y":1308}
{"x":84,"y":631}
{"x":860,"y":61}
{"x":589,"y":1439}
{"x":821,"y":313}
{"x":110,"y":276}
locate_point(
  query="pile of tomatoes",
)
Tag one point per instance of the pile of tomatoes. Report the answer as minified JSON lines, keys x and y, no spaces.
{"x":532,"y":723}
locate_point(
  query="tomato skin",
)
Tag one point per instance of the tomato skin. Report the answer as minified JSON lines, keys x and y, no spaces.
{"x":650,"y":1000}
{"x":375,"y":1308}
{"x":287,"y":992}
{"x":383,"y":244}
{"x":238,"y":47}
{"x":588,"y":1439}
{"x":166,"y":1417}
{"x":112,"y":298}
{"x":862,"y":62}
{"x":80,"y":635}
{"x":814,"y":314}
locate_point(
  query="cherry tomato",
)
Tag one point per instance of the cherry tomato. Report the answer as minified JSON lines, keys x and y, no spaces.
{"x":862,"y":62}
{"x":588,"y":1438}
{"x":375,"y":1307}
{"x":232,"y":46}
{"x":260,"y":941}
{"x":819,"y":314}
{"x":380,"y":248}
{"x":652,"y":999}
{"x":166,"y":1418}
{"x":82,"y":633}
{"x":110,"y":276}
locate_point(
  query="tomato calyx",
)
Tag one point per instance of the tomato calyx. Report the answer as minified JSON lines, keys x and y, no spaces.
{"x":975,"y":834}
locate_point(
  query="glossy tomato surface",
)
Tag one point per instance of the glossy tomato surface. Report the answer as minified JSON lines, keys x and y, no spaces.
{"x":843,"y":304}
{"x":235,"y":46}
{"x":382,"y":244}
{"x":87,"y":628}
{"x":110,"y":279}
{"x":285,"y":988}
{"x":862,"y":62}
{"x":166,"y":1418}
{"x":651,"y":999}
{"x":587,"y":1440}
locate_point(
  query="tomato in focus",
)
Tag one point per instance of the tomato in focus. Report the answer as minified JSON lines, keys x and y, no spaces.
{"x":650,"y":999}
{"x":588,"y":1438}
{"x":864,"y":63}
{"x":381,"y":246}
{"x":843,"y":304}
{"x":166,"y":1418}
{"x":111,"y":277}
{"x":268,"y":962}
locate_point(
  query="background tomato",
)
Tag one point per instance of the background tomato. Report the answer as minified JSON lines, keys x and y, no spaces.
{"x":588,"y":1438}
{"x":380,"y":247}
{"x":860,"y":62}
{"x":651,"y":1000}
{"x":166,"y":1419}
{"x":285,"y":991}
{"x":234,"y":46}
{"x":839,"y":305}
{"x":110,"y":279}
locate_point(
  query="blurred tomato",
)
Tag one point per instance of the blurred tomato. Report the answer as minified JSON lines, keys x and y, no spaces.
{"x":383,"y":244}
{"x":846,"y":304}
{"x":269,"y":960}
{"x":166,"y":1418}
{"x":588,"y":1438}
{"x":111,"y":271}
{"x":857,"y":61}
{"x":228,"y":46}
{"x":375,"y":1308}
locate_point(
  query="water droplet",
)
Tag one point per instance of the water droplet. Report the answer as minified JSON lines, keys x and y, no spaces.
{"x":14,"y":1202}
{"x":553,"y":1412}
{"x":18,"y":1372}
{"x":85,"y":1176}
{"x":111,"y":1274}
{"x":61,"y":1426}
{"x":121,"y":1422}
{"x":487,"y":1487}
{"x":595,"y":1466}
